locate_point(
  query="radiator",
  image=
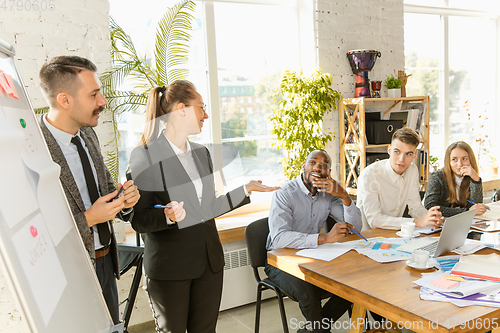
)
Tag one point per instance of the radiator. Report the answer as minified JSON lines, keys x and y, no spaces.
{"x":239,"y":287}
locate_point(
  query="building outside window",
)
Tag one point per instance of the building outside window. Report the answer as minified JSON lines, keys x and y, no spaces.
{"x":451,"y":52}
{"x":249,"y":57}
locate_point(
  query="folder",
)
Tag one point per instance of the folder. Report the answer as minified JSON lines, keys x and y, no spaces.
{"x":485,"y":267}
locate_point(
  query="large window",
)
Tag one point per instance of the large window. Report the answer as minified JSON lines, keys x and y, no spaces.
{"x":237,"y":55}
{"x":451,"y":52}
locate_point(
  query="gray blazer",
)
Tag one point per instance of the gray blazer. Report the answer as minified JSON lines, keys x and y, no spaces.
{"x":437,"y":194}
{"x":106,"y":185}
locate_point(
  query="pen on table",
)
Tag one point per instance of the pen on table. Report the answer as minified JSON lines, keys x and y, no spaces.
{"x":357,"y":233}
{"x":473,"y":203}
{"x":161,"y":206}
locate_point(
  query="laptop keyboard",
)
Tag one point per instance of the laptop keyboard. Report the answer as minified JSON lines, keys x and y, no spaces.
{"x":432,"y":247}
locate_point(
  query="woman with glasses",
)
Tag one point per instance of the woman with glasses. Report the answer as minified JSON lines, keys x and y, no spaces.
{"x":183,"y":257}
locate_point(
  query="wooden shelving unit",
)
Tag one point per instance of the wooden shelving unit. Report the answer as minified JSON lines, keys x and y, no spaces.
{"x":353,"y":153}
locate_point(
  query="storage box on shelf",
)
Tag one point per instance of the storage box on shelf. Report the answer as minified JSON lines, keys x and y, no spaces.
{"x":356,"y":152}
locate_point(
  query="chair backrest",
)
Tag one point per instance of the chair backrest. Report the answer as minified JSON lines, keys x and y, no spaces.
{"x":256,"y":237}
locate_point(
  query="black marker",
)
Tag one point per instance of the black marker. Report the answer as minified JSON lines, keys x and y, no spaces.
{"x":119,"y":193}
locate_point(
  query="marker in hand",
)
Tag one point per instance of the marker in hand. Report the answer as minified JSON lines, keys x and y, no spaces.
{"x":161,"y":206}
{"x":119,"y":193}
{"x":473,"y":203}
{"x":357,"y":233}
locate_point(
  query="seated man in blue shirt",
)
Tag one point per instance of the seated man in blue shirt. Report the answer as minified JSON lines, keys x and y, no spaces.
{"x":298,"y":211}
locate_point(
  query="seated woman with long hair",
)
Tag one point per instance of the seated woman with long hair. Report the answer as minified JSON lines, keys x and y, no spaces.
{"x":457,"y":184}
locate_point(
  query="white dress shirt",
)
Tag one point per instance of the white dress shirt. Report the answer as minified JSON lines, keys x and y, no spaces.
{"x":458,"y":182}
{"x":187,"y":161}
{"x":383,"y":195}
{"x":75,"y":165}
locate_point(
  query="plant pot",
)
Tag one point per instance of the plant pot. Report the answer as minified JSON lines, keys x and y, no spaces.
{"x":394,"y":93}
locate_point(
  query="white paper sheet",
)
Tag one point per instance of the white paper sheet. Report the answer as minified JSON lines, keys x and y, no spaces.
{"x":462,"y":289}
{"x":470,"y":247}
{"x":491,"y":299}
{"x":44,"y":174}
{"x":374,"y":250}
{"x":41,"y":265}
{"x":428,"y":230}
{"x":17,"y":199}
{"x":492,"y":214}
{"x":326,"y":252}
{"x":41,"y":172}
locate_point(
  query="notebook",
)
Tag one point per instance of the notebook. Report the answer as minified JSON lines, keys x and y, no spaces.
{"x":453,"y":235}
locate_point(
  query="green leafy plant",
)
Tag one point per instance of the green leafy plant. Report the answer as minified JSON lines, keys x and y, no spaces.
{"x":392,"y":83}
{"x":298,"y":117}
{"x":141,"y":74}
{"x":433,"y":161}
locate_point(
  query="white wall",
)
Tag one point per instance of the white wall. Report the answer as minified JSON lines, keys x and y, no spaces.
{"x":345,"y":25}
{"x":73,"y":27}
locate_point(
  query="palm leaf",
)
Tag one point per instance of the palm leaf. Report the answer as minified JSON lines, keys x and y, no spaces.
{"x":41,"y":110}
{"x":126,"y":101}
{"x":121,"y":43}
{"x":172,"y":37}
{"x":171,"y":53}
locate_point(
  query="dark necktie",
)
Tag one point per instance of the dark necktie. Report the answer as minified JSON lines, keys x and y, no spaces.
{"x":102,"y":228}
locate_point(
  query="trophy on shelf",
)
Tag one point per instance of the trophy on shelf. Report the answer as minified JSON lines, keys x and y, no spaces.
{"x":362,"y":61}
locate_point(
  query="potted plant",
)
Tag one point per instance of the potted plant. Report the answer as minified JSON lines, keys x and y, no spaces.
{"x":393,"y":86}
{"x":299,"y":115}
{"x":492,"y":160}
{"x":433,"y":161}
{"x":493,"y":166}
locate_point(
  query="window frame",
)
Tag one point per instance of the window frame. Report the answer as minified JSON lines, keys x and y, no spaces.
{"x":445,"y":13}
{"x":304,"y":17}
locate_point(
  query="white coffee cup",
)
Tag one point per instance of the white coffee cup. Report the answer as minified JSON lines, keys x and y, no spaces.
{"x":420,"y":258}
{"x":407,"y":229}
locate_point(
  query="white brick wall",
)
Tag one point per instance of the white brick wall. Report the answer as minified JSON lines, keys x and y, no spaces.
{"x":344,"y":25}
{"x":74,"y":27}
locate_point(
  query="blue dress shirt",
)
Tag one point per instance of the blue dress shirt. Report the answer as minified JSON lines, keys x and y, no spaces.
{"x":296,"y":216}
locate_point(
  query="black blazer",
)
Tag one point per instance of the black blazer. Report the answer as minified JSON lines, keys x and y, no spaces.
{"x":179,"y":251}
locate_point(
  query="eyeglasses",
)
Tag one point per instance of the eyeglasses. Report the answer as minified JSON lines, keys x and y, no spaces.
{"x":203,"y":107}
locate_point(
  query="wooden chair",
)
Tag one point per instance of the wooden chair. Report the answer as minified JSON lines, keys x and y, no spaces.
{"x":256,"y":237}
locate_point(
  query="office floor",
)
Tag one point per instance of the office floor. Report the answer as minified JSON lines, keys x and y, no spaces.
{"x":242,"y":319}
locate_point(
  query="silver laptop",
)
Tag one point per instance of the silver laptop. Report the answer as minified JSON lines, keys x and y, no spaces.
{"x":453,"y":235}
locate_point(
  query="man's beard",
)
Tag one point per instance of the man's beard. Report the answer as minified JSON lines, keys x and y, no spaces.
{"x":309,"y":183}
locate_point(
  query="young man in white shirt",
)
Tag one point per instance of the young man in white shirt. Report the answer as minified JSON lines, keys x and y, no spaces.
{"x":386,"y":187}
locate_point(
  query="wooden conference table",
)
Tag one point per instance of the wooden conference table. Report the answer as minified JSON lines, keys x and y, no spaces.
{"x":386,"y":289}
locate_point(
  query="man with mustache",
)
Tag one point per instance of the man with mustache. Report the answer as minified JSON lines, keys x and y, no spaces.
{"x":298,"y":211}
{"x":73,"y":91}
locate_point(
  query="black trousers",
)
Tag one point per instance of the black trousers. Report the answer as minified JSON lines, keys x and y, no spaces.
{"x":309,"y":298}
{"x":106,"y":276}
{"x":191,"y":305}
